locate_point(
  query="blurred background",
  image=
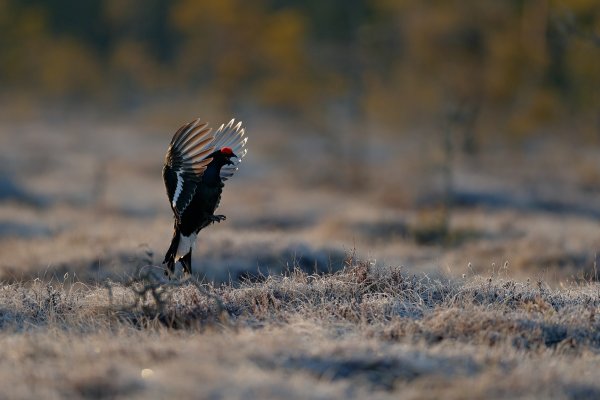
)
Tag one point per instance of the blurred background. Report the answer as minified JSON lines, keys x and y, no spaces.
{"x":452,"y":137}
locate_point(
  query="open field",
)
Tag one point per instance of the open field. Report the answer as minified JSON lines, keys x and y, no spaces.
{"x":86,"y":197}
{"x":312,"y":288}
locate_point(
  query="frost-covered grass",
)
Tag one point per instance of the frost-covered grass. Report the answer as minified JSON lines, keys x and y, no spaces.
{"x":363,"y":330}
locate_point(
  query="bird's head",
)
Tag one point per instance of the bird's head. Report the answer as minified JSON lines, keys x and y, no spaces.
{"x":225,"y":155}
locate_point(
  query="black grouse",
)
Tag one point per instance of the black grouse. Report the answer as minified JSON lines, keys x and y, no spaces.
{"x":196,"y":165}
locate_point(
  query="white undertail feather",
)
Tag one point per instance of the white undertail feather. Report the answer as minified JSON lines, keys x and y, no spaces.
{"x":186,"y":243}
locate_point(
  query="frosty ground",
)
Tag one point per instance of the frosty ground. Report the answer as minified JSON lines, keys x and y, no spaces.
{"x":359,"y":331}
{"x":320,"y":283}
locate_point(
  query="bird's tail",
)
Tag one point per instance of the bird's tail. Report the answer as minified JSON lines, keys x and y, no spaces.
{"x":172,"y":252}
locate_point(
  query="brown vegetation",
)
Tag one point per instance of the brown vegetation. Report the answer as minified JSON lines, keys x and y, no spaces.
{"x":362,"y":330}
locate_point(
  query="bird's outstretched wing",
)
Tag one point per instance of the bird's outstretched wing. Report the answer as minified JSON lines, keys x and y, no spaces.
{"x":231,"y":135}
{"x":185,"y":162}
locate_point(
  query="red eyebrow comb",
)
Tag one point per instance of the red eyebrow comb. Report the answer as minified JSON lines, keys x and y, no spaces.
{"x":227,"y":150}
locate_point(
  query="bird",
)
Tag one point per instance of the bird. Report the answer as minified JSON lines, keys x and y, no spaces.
{"x":196,"y":166}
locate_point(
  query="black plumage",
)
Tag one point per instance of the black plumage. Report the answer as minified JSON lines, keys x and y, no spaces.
{"x":196,"y":165}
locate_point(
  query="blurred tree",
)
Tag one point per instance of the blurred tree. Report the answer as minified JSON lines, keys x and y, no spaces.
{"x":511,"y":67}
{"x":33,"y":59}
{"x":235,"y":44}
{"x":145,"y":22}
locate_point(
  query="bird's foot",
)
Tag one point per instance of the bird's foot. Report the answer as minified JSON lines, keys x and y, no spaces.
{"x":187,"y":269}
{"x":217,"y":218}
{"x":186,"y":263}
{"x":169,"y":275}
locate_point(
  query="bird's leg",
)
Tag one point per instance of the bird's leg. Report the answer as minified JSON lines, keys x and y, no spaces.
{"x":170,"y":269}
{"x":186,"y":261}
{"x":171,"y":253}
{"x":217,"y":218}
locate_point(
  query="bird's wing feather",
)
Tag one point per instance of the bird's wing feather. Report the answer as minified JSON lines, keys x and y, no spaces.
{"x":185,"y":162}
{"x":231,"y":135}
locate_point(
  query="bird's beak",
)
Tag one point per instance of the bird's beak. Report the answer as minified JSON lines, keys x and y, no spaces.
{"x":229,"y":161}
